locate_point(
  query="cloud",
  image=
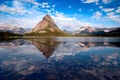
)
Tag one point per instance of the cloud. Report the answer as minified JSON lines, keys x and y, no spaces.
{"x":113,"y":16}
{"x":97,"y":15}
{"x":118,"y":10}
{"x":108,"y":9}
{"x":111,"y":13}
{"x":16,"y":9}
{"x":97,"y":1}
{"x":19,"y":7}
{"x":101,"y":7}
{"x":107,"y":1}
{"x":44,"y":5}
{"x":63,"y":22}
{"x":26,"y":22}
{"x":36,"y":11}
{"x":34,"y":16}
{"x":52,"y":9}
{"x":91,"y":1}
{"x":29,"y":20}
{"x":68,"y":23}
{"x":34,"y":2}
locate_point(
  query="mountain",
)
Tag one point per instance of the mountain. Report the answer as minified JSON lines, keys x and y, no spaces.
{"x":115,"y":31}
{"x":106,"y":29}
{"x":45,"y":45}
{"x":13,"y":43}
{"x":85,"y":30}
{"x":9,"y":35}
{"x":12,"y":29}
{"x":101,"y":29}
{"x":47,"y":27}
{"x":108,"y":32}
{"x":69,"y":31}
{"x":109,"y":29}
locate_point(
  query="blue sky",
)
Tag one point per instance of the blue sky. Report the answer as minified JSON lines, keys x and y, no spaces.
{"x":67,"y":14}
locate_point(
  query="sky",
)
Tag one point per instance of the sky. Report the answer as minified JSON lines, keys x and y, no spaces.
{"x":67,"y":14}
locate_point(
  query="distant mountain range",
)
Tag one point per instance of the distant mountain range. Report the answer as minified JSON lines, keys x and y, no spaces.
{"x":12,"y":29}
{"x":88,"y":30}
{"x":47,"y":27}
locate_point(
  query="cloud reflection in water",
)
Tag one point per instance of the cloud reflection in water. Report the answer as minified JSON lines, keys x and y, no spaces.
{"x":49,"y":58}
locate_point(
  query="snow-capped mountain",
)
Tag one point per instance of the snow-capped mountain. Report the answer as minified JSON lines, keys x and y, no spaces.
{"x":85,"y":30}
{"x":11,"y":28}
{"x":109,"y":29}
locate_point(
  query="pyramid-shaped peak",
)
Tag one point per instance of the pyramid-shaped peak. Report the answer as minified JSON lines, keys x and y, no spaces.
{"x":48,"y":18}
{"x":89,"y":27}
{"x":47,"y":26}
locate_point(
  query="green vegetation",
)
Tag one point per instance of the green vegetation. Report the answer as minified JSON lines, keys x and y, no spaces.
{"x":47,"y":33}
{"x":102,"y":34}
{"x":9,"y":35}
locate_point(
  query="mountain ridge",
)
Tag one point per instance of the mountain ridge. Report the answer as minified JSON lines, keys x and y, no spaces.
{"x":47,"y":27}
{"x":12,"y":29}
{"x":85,"y":30}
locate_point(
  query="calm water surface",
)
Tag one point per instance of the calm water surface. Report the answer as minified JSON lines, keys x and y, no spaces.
{"x":60,"y":58}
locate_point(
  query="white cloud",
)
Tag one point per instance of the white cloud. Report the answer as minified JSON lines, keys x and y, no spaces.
{"x":97,"y":15}
{"x":19,"y":7}
{"x":91,"y":1}
{"x":97,"y":1}
{"x":44,"y":5}
{"x":29,"y":21}
{"x":63,"y":22}
{"x":113,"y":16}
{"x":52,"y":9}
{"x":35,"y":16}
{"x":111,"y":13}
{"x":32,"y":2}
{"x":118,"y":10}
{"x":68,"y":23}
{"x":107,"y":1}
{"x":108,"y":9}
{"x":101,"y":7}
{"x":36,"y":4}
{"x":16,"y":9}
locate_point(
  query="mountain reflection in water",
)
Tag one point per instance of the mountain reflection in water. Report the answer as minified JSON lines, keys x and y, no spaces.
{"x":45,"y":45}
{"x":52,"y":58}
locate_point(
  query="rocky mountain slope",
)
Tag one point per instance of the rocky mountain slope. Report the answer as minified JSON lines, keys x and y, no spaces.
{"x":47,"y":27}
{"x":85,"y":30}
{"x":12,"y":29}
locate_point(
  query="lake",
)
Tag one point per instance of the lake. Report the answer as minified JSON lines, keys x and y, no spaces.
{"x":60,"y":58}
